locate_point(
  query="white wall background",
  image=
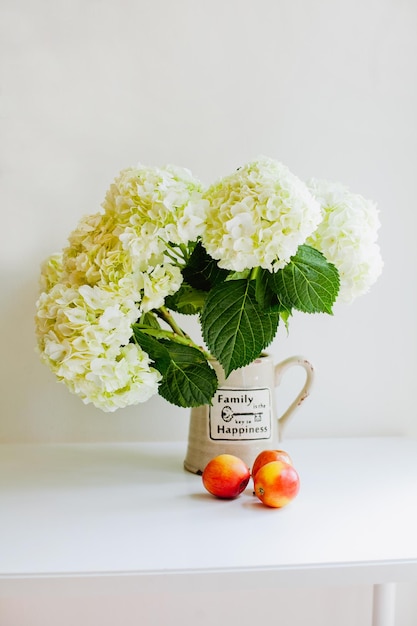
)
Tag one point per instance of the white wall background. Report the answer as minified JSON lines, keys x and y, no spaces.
{"x":329,"y":87}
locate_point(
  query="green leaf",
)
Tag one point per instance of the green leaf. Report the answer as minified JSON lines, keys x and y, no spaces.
{"x":158,"y":353}
{"x":235,"y":328}
{"x":189,"y":380}
{"x":186,"y":300}
{"x":149,"y":319}
{"x":265,"y":296}
{"x":309,"y":283}
{"x":201,"y":271}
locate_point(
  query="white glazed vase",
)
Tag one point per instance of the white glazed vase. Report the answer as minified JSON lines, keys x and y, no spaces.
{"x":243,"y":419}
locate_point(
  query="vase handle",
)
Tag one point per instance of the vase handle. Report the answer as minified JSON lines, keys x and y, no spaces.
{"x":280,"y":370}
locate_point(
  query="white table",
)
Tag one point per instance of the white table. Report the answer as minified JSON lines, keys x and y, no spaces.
{"x":98,"y":512}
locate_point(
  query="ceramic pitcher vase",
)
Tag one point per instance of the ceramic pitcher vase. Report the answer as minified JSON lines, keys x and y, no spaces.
{"x":243,"y":419}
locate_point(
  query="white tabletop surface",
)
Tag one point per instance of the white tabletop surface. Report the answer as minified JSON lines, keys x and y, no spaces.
{"x":131,"y":509}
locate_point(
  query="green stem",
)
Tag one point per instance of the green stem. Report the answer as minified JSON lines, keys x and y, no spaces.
{"x":177,"y":334}
{"x":254,"y":273}
{"x":165,"y":314}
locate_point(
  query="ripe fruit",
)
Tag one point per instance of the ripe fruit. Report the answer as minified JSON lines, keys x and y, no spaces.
{"x":226,"y":476}
{"x":276,"y":484}
{"x":266,"y":456}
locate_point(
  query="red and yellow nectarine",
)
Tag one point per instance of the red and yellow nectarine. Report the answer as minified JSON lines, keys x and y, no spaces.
{"x":226,"y":476}
{"x":276,"y":484}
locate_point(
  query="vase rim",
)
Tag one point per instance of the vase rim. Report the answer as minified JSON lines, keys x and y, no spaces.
{"x":262,"y":357}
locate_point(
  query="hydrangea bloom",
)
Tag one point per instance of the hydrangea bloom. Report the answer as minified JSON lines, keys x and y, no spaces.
{"x":155,"y":206}
{"x":116,"y":266}
{"x":258,"y":217}
{"x":144,"y":209}
{"x":347,"y":237}
{"x":83,"y":336}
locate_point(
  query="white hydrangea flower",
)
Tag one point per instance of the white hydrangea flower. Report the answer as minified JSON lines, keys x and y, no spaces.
{"x":258,"y":216}
{"x":144,"y":209}
{"x":156,"y":206}
{"x":83,"y":336}
{"x":116,"y":261}
{"x":347,"y":237}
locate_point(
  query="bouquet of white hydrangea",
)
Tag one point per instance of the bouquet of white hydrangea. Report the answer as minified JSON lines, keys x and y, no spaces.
{"x":242,"y":255}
